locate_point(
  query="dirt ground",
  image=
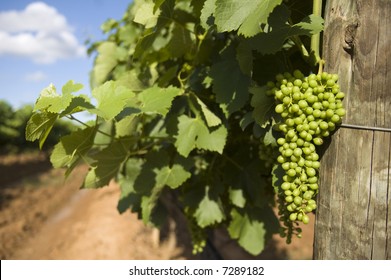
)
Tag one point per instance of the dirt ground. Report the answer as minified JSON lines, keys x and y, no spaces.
{"x":44,"y":216}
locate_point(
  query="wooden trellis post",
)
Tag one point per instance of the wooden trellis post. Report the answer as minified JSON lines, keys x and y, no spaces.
{"x":353,"y":218}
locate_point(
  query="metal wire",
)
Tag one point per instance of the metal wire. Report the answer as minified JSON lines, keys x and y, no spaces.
{"x":384,"y":129}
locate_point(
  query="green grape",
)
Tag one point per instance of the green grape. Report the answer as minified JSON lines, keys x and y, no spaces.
{"x":279,"y":108}
{"x":305,"y":219}
{"x":311,"y":108}
{"x":197,"y":234}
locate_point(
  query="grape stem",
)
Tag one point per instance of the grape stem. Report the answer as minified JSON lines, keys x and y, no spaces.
{"x":315,"y":39}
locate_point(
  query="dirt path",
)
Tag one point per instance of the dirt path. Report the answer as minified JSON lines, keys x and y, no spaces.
{"x":44,"y":216}
{"x":90,"y":227}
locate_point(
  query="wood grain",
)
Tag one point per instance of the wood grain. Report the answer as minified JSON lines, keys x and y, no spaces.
{"x":353,"y":219}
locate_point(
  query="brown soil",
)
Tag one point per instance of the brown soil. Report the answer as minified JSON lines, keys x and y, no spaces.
{"x":42,"y":216}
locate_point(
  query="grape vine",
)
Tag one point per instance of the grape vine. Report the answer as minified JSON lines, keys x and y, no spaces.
{"x":181,"y":107}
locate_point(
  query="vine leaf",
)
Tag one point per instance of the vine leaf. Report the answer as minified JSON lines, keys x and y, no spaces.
{"x":246,"y":15}
{"x":105,"y":62}
{"x":213,"y":140}
{"x":269,"y":138}
{"x":237,"y":198}
{"x":273,"y":41}
{"x":207,"y":11}
{"x":126,"y":126}
{"x":277,"y":174}
{"x":263,"y":105}
{"x":150,"y":202}
{"x":193,"y":133}
{"x":78,"y":104}
{"x":244,"y":56}
{"x":180,"y":42}
{"x":72,"y":147}
{"x":39,"y":126}
{"x":229,"y":83}
{"x":111,"y":98}
{"x":107,"y":164}
{"x":158,"y":100}
{"x":209,"y":211}
{"x":253,"y":231}
{"x":70,"y":87}
{"x":50,"y":101}
{"x":188,"y":131}
{"x":211,"y":119}
{"x":310,"y":25}
{"x":173,"y":176}
{"x":129,"y":197}
{"x":146,"y":14}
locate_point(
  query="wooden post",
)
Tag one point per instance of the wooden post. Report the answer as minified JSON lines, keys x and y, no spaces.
{"x":353,"y":218}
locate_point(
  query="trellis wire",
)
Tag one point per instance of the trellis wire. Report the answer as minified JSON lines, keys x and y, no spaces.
{"x":384,"y":129}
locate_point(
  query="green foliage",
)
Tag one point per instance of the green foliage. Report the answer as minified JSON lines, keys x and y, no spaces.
{"x":181,"y":107}
{"x":13,"y":125}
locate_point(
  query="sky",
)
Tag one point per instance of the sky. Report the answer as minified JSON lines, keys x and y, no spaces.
{"x":43,"y":42}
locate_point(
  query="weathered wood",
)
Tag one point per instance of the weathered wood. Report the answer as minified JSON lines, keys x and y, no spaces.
{"x":353,"y":218}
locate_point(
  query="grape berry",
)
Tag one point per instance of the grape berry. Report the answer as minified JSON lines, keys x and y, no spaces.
{"x":310,"y":109}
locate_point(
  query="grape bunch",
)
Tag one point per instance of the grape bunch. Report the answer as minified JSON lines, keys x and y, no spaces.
{"x":310,"y":109}
{"x":197,"y":234}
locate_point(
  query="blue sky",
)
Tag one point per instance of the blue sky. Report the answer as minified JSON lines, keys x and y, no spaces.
{"x":43,"y":42}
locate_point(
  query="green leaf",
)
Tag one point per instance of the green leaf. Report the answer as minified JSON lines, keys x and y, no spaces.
{"x":72,"y":147}
{"x":173,"y":176}
{"x":181,"y":41}
{"x":271,"y":42}
{"x":158,"y":3}
{"x":39,"y":126}
{"x":126,"y":126}
{"x":105,"y":62}
{"x":158,"y":100}
{"x":253,"y":232}
{"x":277,"y":174}
{"x":244,"y":57}
{"x":131,"y":80}
{"x":310,"y":25}
{"x":78,"y":104}
{"x":246,"y":120}
{"x":257,"y":16}
{"x":53,"y":102}
{"x":188,"y":131}
{"x":206,"y":12}
{"x":193,"y":133}
{"x":158,"y":171}
{"x":213,"y":140}
{"x":245,"y":15}
{"x":209,"y":211}
{"x":269,"y":138}
{"x":70,"y":87}
{"x":104,"y":137}
{"x":263,"y":105}
{"x":108,"y":163}
{"x":237,"y":197}
{"x":152,"y":211}
{"x":109,"y":25}
{"x":129,"y":197}
{"x":145,"y":46}
{"x":146,"y":14}
{"x":229,"y":84}
{"x":111,"y":99}
{"x":211,"y":119}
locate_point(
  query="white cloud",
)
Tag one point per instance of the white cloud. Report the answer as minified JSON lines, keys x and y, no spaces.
{"x":39,"y":33}
{"x":37,"y":76}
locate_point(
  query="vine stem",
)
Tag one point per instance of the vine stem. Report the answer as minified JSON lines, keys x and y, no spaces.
{"x":315,"y":39}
